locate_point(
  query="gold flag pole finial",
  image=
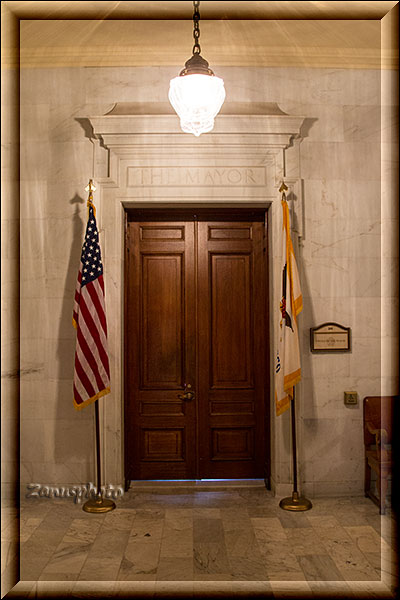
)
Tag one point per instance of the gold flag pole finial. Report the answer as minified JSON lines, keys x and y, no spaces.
{"x":90,"y":188}
{"x":284,"y":188}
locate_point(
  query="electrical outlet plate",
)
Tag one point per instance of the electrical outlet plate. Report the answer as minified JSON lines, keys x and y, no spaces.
{"x":350,"y":398}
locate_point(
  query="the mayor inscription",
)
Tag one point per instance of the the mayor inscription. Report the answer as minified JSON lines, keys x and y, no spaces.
{"x":198,"y":176}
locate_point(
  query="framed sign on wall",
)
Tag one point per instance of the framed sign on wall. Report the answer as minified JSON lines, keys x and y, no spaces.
{"x":330,"y":337}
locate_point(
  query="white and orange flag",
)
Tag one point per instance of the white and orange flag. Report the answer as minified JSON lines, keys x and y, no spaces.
{"x":287,"y":368}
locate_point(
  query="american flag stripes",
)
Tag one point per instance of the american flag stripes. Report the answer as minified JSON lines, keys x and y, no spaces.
{"x":92,"y":371}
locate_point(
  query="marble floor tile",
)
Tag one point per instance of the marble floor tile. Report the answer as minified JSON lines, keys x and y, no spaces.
{"x":82,"y":531}
{"x":100,"y":569}
{"x":350,"y":518}
{"x":242,"y":543}
{"x":177,"y":543}
{"x":35,"y":554}
{"x":268,"y":529}
{"x":210,"y":557}
{"x":68,"y":559}
{"x":215,"y":499}
{"x":293,"y":519}
{"x":146,"y":529}
{"x":175,"y":569}
{"x":304,"y":541}
{"x":261,"y":511}
{"x":109,"y":544}
{"x":121,"y":520}
{"x":319,"y":567}
{"x":229,"y":514}
{"x":365,"y":537}
{"x":210,"y":513}
{"x":351,"y":563}
{"x":374,"y":559}
{"x":280,"y":561}
{"x":129,"y":572}
{"x":248,"y":569}
{"x":208,"y":530}
{"x":142,"y":556}
{"x":232,"y":537}
{"x":150,"y":513}
{"x":323,"y":521}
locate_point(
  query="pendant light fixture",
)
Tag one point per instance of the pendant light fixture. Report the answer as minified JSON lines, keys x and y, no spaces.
{"x":196,"y":94}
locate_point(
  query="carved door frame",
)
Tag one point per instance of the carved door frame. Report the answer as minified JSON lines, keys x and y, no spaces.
{"x":144,"y":160}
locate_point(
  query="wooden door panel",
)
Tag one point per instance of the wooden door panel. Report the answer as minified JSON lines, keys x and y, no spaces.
{"x":160,"y":351}
{"x":232,"y":361}
{"x":162,"y":321}
{"x":231,"y":335}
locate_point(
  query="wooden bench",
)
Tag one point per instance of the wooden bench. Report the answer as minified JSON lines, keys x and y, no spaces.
{"x":378,"y":426}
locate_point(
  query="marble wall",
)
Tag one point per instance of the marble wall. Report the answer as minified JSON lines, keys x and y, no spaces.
{"x":347,"y":266}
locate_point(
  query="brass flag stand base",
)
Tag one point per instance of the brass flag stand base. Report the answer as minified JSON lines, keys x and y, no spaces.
{"x":98,"y":505}
{"x":295,"y":503}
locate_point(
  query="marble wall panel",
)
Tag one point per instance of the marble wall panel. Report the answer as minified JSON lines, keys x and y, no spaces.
{"x":52,"y":86}
{"x":337,"y":198}
{"x":325,"y":124}
{"x":325,"y":397}
{"x":34,"y":121}
{"x":362,"y":124}
{"x":71,"y":161}
{"x":335,"y":238}
{"x":359,"y":313}
{"x":57,"y":473}
{"x":326,"y":277}
{"x":333,"y":160}
{"x":312,"y":86}
{"x":50,"y":399}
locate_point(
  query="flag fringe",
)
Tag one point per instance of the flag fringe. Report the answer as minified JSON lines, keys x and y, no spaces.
{"x":290,"y":380}
{"x":281,"y":405}
{"x":92,"y":399}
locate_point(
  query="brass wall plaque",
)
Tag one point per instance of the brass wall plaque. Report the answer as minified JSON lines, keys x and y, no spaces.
{"x":330,"y":337}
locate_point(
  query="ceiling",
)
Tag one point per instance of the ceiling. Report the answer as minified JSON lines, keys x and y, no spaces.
{"x":274,"y":33}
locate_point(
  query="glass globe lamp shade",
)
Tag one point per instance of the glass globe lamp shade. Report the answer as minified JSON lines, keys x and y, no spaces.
{"x":197,"y":98}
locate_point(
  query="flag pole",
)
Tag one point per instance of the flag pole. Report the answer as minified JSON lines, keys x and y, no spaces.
{"x":98,"y":504}
{"x":294,"y":502}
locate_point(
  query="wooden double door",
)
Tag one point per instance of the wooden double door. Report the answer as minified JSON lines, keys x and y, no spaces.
{"x":196,"y":345}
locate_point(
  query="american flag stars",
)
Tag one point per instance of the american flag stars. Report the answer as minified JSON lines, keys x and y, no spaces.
{"x":91,"y":255}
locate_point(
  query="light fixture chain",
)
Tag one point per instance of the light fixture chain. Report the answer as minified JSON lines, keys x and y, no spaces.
{"x":196,"y":27}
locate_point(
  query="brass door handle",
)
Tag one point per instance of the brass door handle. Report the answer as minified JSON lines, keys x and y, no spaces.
{"x":188,"y":395}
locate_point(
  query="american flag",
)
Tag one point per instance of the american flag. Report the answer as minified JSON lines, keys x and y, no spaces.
{"x":92,"y":371}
